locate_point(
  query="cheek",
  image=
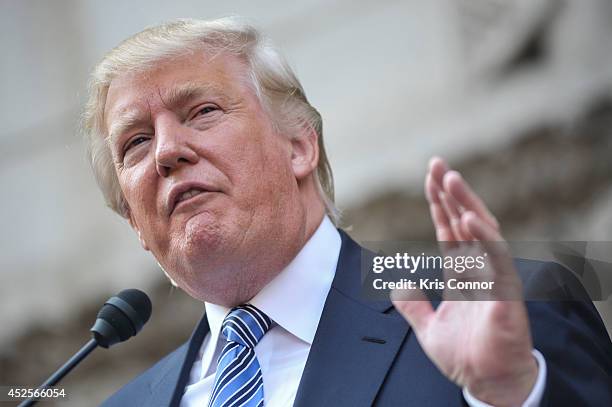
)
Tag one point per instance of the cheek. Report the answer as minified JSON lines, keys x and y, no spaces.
{"x":239,"y":152}
{"x":265,"y":169}
{"x":277,"y":167}
{"x":272,"y":183}
{"x":138,"y":188}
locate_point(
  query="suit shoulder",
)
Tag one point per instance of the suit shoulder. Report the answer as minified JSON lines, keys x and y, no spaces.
{"x":550,"y":281}
{"x":138,"y":390}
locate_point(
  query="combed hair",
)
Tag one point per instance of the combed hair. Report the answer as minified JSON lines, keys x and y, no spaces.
{"x":273,"y":80}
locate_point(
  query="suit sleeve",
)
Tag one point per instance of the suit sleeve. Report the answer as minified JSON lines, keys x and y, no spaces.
{"x":574,"y":342}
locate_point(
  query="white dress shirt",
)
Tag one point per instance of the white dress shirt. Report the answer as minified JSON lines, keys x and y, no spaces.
{"x":294,"y":301}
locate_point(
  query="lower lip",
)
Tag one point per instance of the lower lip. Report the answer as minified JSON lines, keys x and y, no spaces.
{"x":192,"y":202}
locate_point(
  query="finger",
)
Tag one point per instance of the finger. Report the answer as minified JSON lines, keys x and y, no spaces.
{"x":437,"y":169}
{"x":441,"y":223}
{"x":466,"y":232}
{"x":454,"y":185}
{"x":438,"y":215}
{"x":453,"y":213}
{"x":481,"y":230}
{"x":432,"y":189}
{"x":495,"y":247}
{"x":414,"y":306}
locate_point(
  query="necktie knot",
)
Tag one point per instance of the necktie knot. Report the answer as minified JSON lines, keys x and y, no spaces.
{"x":246,"y":325}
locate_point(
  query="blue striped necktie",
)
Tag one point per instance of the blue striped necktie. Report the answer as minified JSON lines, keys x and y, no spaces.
{"x":238,"y":381}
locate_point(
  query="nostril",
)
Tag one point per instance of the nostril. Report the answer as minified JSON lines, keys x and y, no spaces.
{"x":163,"y":170}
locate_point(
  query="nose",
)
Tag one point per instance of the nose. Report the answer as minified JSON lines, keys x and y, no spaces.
{"x":173,"y":148}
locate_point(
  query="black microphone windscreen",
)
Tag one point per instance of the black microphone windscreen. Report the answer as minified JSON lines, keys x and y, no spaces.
{"x":139,"y":301}
{"x":122,"y":317}
{"x":118,"y":320}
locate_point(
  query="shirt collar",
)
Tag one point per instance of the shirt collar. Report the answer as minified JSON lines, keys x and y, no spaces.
{"x":294,"y":299}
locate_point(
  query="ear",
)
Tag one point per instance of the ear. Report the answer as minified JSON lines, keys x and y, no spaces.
{"x":304,"y":152}
{"x":134,"y":226}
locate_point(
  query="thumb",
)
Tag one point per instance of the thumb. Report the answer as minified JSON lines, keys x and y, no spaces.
{"x":414,"y":306}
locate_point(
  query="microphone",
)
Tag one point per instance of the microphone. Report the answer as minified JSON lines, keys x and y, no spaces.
{"x":120,"y":318}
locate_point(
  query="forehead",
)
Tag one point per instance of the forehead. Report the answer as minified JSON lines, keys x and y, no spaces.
{"x":223,"y":75}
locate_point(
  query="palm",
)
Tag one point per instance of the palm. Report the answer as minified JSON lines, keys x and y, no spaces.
{"x":461,"y":342}
{"x":472,"y":342}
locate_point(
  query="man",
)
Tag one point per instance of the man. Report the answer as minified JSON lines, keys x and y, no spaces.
{"x":202,"y":138}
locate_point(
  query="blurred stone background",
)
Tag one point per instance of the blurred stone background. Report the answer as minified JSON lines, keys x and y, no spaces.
{"x":517,"y":94}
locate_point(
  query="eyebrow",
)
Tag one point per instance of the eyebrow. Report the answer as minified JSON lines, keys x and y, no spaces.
{"x":179,"y":95}
{"x":174,"y":97}
{"x":128,"y":119}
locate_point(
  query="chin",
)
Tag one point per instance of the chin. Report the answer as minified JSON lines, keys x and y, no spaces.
{"x":203,"y":236}
{"x":210,"y":243}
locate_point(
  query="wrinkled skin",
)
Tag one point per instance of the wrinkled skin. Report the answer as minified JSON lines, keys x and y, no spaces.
{"x":196,"y":120}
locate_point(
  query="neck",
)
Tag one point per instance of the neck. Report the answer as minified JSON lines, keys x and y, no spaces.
{"x":268,"y":262}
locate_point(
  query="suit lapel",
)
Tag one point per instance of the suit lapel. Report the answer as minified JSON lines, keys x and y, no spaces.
{"x":169,"y":388}
{"x":355,"y":343}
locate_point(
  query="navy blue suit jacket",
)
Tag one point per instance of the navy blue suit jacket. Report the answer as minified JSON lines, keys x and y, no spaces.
{"x":365,"y":354}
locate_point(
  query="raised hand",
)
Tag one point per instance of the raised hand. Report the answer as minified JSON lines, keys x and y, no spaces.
{"x":485,"y":346}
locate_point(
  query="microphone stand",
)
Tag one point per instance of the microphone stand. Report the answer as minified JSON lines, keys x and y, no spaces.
{"x":64,"y":370}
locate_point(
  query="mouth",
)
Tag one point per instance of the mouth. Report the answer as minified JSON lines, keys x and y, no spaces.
{"x":185,"y":194}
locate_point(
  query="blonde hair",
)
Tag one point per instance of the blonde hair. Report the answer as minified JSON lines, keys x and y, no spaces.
{"x":274,"y":82}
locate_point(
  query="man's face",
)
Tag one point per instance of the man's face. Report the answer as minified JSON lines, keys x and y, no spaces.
{"x":208,"y":181}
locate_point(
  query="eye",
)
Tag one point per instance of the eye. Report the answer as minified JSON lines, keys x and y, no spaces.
{"x":206,"y":110}
{"x":135,"y":141}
